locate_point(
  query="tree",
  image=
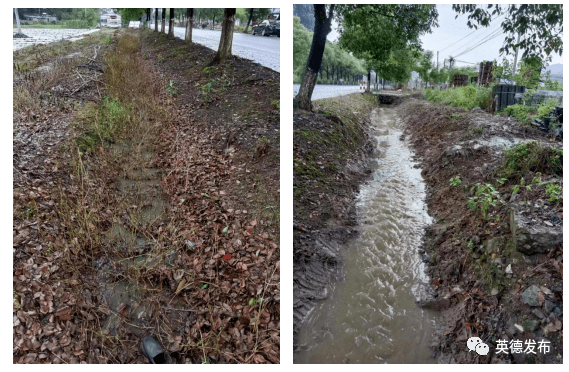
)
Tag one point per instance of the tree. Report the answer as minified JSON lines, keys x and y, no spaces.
{"x":189,"y":24}
{"x":306,"y":14}
{"x":373,"y":32}
{"x":250,"y":18}
{"x":155,"y":19}
{"x":226,"y":41}
{"x":18,"y":20}
{"x":131,"y":14}
{"x":163,"y":20}
{"x":171,"y":24}
{"x":424,"y":66}
{"x":322,"y":27}
{"x":540,"y":26}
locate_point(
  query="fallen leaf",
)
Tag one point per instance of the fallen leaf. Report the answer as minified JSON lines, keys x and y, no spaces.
{"x":181,"y":286}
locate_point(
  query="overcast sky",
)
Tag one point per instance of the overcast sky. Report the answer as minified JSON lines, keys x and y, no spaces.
{"x":451,"y":30}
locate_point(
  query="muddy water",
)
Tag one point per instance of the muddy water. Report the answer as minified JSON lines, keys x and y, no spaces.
{"x":371,"y":316}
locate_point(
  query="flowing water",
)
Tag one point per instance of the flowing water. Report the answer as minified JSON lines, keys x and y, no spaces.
{"x":371,"y":315}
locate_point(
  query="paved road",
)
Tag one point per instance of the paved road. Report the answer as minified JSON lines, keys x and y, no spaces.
{"x":261,"y":49}
{"x":329,"y":91}
{"x":48,"y":35}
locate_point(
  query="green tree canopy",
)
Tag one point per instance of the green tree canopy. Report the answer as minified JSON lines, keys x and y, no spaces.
{"x":386,"y":36}
{"x":540,"y":26}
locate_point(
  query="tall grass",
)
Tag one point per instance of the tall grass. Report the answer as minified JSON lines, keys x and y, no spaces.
{"x":467,"y":97}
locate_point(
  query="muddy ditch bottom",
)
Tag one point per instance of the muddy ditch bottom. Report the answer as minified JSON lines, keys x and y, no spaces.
{"x":371,"y":315}
{"x":128,"y":302}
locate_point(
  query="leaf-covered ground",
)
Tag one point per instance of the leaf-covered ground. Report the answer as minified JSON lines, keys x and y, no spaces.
{"x":134,"y":215}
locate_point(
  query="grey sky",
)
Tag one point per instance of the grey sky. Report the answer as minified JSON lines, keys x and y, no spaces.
{"x":451,"y":30}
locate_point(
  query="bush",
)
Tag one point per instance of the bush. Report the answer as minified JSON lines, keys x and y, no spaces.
{"x":468,"y":97}
{"x":545,"y":108}
{"x":520,"y":112}
{"x":527,"y":157}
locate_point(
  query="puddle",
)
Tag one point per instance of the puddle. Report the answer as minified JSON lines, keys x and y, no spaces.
{"x":371,"y":316}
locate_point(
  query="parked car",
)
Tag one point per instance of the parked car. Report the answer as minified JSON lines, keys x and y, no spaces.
{"x":267,"y":28}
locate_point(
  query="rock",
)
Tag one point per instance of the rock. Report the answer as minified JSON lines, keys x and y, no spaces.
{"x":455,"y":151}
{"x":546,"y":291}
{"x":493,"y":245}
{"x":494,"y":291}
{"x":519,"y":328}
{"x":538,"y":313}
{"x":548,"y":223}
{"x":548,"y":306}
{"x":500,"y":261}
{"x":531,"y":325}
{"x":533,"y":238}
{"x":511,"y":331}
{"x":557,"y":310}
{"x":530,"y":296}
{"x":509,"y":269}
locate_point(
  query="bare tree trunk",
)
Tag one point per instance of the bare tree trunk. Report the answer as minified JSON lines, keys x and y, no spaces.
{"x":368,"y":86}
{"x":171,"y":24}
{"x":322,"y":27}
{"x":189,"y":24}
{"x":249,"y":21}
{"x":155,"y":19}
{"x":18,"y":20}
{"x":147,"y":23}
{"x":226,"y":41}
{"x":163,"y":20}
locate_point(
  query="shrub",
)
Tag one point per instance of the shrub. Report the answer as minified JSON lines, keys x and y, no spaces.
{"x":468,"y":97}
{"x":545,"y":108}
{"x":531,"y":156}
{"x":520,"y":112}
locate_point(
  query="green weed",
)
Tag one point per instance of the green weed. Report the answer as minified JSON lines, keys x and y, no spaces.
{"x":455,"y":181}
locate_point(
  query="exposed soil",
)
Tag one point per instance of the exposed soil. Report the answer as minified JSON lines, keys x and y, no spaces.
{"x":482,"y":266}
{"x":331,"y":158}
{"x":210,"y":286}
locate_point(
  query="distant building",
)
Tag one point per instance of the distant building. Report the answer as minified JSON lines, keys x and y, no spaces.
{"x":43,"y":17}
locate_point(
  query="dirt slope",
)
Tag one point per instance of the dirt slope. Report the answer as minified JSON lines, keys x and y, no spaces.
{"x":496,"y":266}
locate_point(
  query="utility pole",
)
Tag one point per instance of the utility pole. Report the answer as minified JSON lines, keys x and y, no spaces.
{"x":516,"y":56}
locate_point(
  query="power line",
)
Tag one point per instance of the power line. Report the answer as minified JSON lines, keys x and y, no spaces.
{"x":478,"y":29}
{"x":487,"y":39}
{"x":488,"y":31}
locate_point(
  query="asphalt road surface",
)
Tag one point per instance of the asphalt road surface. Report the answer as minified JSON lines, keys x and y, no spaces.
{"x":261,"y":49}
{"x":329,"y":91}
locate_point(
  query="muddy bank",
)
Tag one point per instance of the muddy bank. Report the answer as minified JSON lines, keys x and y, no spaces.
{"x":332,"y":150}
{"x":495,"y":252}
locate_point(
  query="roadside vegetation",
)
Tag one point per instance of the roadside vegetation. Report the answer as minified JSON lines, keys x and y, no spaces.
{"x":129,"y":244}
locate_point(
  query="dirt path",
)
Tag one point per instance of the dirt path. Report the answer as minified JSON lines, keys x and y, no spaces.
{"x":125,"y":223}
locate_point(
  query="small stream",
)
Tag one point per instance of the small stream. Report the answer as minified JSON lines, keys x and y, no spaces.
{"x":371,"y":315}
